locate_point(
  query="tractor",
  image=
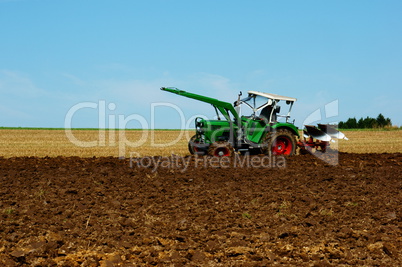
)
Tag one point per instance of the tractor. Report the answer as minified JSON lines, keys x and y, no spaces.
{"x":253,"y":125}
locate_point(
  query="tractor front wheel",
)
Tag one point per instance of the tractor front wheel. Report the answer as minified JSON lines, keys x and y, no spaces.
{"x":280,"y":142}
{"x":220,"y":149}
{"x":195,"y":147}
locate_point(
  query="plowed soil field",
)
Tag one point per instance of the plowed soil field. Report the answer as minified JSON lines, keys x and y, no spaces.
{"x":296,"y":211}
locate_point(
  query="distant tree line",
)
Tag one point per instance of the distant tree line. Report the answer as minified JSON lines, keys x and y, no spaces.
{"x":379,"y":122}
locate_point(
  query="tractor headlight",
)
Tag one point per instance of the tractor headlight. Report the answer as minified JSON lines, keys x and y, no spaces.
{"x":199,"y":125}
{"x":198,"y":129}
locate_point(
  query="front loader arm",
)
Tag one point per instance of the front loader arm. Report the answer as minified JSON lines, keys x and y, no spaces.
{"x":223,"y":107}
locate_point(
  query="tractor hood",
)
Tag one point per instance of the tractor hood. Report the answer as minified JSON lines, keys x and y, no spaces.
{"x":224,"y":107}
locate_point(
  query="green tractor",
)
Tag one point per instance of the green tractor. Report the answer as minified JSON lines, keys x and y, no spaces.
{"x":258,"y":131}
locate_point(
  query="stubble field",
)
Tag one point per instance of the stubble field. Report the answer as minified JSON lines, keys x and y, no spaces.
{"x":104,"y":143}
{"x":63,"y":205}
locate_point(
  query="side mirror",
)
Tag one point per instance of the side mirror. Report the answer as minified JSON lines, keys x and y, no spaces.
{"x":238,"y":100}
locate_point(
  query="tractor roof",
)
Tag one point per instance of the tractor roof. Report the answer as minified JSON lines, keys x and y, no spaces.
{"x":272,"y":96}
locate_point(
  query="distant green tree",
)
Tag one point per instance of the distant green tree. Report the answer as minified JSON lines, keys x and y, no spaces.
{"x":366,"y":123}
{"x":351,"y":123}
{"x":369,"y":123}
{"x":383,"y":122}
{"x":360,"y":123}
{"x":389,"y":122}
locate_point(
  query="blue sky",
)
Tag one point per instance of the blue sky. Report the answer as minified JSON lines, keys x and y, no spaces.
{"x":57,"y":55}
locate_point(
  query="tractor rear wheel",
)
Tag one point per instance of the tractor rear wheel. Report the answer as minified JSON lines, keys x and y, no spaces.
{"x":220,"y":149}
{"x":280,"y":142}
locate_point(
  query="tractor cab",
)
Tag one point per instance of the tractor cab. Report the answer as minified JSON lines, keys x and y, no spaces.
{"x":259,"y":112}
{"x":263,"y":106}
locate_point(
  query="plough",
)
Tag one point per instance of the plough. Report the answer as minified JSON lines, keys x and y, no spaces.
{"x":319,"y":138}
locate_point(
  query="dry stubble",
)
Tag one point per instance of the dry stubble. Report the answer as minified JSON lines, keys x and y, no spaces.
{"x":52,"y":143}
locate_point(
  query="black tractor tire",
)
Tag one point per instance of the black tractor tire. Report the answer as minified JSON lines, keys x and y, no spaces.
{"x":194,"y":147}
{"x":279,"y":142}
{"x":221,"y":149}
